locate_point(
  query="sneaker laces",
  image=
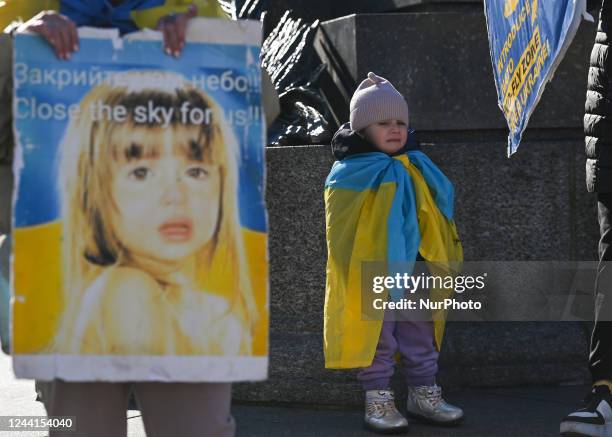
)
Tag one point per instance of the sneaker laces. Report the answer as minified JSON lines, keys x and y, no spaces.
{"x":434,"y":395}
{"x":382,"y":406}
{"x":389,"y":406}
{"x":376,"y":409}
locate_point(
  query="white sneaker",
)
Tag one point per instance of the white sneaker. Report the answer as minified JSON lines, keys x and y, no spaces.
{"x":381,"y":415}
{"x":594,"y":419}
{"x":426,"y":403}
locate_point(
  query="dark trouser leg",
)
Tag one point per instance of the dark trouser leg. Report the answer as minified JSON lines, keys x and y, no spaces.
{"x":600,"y":360}
{"x":99,"y":408}
{"x":186,"y":409}
{"x":6,"y":131}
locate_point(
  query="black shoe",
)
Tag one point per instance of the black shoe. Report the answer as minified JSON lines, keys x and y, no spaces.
{"x":594,"y":419}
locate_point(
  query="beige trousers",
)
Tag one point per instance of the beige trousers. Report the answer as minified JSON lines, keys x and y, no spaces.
{"x":168,"y":409}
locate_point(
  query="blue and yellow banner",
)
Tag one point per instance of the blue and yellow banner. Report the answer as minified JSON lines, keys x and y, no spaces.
{"x":140,"y":228}
{"x":528,"y":39}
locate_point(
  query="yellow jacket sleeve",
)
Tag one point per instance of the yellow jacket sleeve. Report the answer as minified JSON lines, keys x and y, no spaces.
{"x":149,"y":17}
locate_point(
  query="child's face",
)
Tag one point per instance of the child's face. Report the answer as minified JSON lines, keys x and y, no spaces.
{"x":168,"y":204}
{"x":388,"y":136}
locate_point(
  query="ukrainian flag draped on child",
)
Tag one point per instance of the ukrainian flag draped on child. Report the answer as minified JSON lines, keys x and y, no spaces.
{"x":381,"y":208}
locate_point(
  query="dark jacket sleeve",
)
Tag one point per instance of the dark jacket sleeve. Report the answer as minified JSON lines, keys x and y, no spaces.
{"x":598,"y":108}
{"x":592,"y":5}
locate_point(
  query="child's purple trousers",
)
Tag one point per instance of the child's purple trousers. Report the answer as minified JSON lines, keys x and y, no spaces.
{"x":415,"y":342}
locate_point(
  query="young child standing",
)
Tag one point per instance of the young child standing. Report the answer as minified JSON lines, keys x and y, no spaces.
{"x":385,"y":202}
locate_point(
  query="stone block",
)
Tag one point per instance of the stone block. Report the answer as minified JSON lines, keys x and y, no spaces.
{"x":520,"y":209}
{"x":473,"y":355}
{"x":515,"y":209}
{"x":523,"y":208}
{"x":298,"y":375}
{"x":441,"y":63}
{"x":298,"y":249}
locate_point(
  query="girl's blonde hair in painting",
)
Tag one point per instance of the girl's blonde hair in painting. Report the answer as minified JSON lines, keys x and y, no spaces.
{"x":95,"y":145}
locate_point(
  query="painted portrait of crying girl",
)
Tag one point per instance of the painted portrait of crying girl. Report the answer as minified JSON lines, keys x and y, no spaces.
{"x":148,"y":211}
{"x":154,"y":261}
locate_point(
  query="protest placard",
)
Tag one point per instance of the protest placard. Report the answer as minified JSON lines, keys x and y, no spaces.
{"x":527,"y":41}
{"x":140,"y":229}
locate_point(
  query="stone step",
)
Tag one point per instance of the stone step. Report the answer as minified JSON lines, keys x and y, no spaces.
{"x":473,"y":355}
{"x":531,"y":207}
{"x":440,"y":62}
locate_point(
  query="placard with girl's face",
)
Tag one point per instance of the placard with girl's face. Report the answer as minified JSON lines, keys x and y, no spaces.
{"x":140,"y":230}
